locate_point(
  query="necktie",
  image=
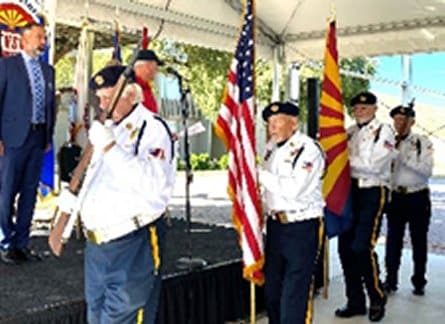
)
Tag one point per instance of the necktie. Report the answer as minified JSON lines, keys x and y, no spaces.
{"x":38,"y":93}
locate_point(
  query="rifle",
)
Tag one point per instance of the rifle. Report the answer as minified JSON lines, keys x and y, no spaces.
{"x":61,"y":231}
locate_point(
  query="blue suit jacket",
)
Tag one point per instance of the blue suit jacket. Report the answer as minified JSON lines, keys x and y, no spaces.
{"x":16,"y":101}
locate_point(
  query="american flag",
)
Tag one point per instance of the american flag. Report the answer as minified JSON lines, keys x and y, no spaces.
{"x":235,"y":126}
{"x":337,"y":181}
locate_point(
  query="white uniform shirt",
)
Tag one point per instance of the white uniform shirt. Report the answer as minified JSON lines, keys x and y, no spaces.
{"x":371,"y":150}
{"x":414,"y":164}
{"x":130,"y":183}
{"x":292,"y":178}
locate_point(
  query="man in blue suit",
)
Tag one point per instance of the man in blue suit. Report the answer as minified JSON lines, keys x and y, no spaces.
{"x":27,"y":117}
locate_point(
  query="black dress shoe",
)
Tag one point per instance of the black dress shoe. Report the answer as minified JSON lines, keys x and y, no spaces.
{"x":9,"y":257}
{"x":419,"y":291}
{"x":389,"y":288}
{"x":377,"y":310}
{"x":350,"y":311}
{"x":27,"y":254}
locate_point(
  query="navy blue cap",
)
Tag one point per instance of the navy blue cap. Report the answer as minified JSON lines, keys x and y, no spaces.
{"x":364,"y":98}
{"x":107,"y":77}
{"x":287,"y":108}
{"x":149,"y":55}
{"x":402,"y":110}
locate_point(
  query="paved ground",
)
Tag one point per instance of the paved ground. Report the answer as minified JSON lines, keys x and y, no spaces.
{"x":210,"y":204}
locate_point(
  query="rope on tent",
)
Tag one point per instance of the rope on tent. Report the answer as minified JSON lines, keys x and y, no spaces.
{"x":317,"y":65}
{"x":370,"y":77}
{"x":291,"y":17}
{"x":161,"y":25}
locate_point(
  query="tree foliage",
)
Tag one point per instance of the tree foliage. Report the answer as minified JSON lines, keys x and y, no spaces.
{"x":206,"y":69}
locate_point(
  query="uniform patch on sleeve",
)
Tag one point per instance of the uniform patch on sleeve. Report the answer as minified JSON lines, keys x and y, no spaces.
{"x":388,"y":145}
{"x":307,"y":166}
{"x":157,"y":153}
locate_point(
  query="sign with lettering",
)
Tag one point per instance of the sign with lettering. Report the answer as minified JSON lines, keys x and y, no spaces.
{"x":15,"y":14}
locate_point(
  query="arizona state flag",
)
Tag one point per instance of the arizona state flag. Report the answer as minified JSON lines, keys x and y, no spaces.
{"x":337,"y":181}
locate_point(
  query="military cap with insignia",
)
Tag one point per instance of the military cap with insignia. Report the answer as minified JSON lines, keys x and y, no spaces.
{"x":364,"y":98}
{"x":402,"y":110}
{"x":149,"y":55}
{"x":287,"y":108}
{"x":107,"y":77}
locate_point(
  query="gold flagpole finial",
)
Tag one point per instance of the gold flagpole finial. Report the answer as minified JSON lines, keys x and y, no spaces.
{"x":333,"y":12}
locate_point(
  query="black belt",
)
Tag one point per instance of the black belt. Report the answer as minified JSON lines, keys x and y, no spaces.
{"x":406,"y":190}
{"x":39,"y":126}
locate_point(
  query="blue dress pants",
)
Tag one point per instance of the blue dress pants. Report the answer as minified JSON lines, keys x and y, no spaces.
{"x":120,"y":278}
{"x":291,"y":251}
{"x":20,"y":174}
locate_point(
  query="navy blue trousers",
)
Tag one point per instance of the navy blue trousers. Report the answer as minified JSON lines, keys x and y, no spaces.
{"x":414,"y":209}
{"x":356,"y":246}
{"x":291,"y":251}
{"x":121,"y":278}
{"x":20,"y":174}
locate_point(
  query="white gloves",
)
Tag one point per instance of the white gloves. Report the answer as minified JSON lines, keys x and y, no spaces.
{"x":66,"y":201}
{"x":101,"y":135}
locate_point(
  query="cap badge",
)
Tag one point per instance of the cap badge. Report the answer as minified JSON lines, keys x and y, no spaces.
{"x":99,"y":80}
{"x":362,"y":98}
{"x":402,"y":110}
{"x":274,"y":108}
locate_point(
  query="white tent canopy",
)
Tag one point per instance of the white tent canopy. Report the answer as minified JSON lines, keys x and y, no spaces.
{"x":297,"y":28}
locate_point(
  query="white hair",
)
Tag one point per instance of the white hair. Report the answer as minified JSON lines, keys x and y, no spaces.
{"x":139,"y":62}
{"x":133,"y":89}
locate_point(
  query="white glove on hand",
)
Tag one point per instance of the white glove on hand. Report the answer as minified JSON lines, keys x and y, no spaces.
{"x":100,"y":135}
{"x":66,"y":201}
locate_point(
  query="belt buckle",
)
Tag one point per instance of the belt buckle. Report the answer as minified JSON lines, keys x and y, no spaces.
{"x":282,"y":217}
{"x":93,"y":237}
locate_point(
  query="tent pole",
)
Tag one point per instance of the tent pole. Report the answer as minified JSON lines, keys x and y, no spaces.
{"x":407,"y":79}
{"x":294,"y":83}
{"x":276,"y":74}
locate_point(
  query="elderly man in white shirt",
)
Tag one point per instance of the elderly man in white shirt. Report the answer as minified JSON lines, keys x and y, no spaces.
{"x":291,"y":177}
{"x":410,"y":200}
{"x":371,"y":150}
{"x":131,"y":182}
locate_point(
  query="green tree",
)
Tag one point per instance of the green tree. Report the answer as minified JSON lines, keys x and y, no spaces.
{"x":206,"y":71}
{"x":350,"y":85}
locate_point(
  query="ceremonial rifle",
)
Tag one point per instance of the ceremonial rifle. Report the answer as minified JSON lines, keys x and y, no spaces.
{"x":61,"y":231}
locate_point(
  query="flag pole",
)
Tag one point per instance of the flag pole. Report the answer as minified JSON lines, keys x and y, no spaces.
{"x":252,"y":303}
{"x":326,"y":268}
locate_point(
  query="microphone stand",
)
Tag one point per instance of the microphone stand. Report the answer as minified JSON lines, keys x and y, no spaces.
{"x":188,"y":262}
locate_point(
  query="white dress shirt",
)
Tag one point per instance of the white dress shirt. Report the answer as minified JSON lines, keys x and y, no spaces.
{"x":371,"y":150}
{"x":135,"y":177}
{"x":292,"y":178}
{"x":414,"y":165}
